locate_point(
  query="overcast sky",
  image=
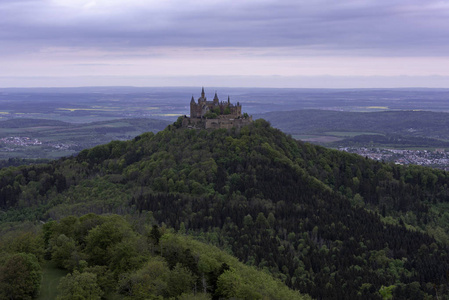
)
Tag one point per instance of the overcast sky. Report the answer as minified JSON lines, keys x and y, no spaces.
{"x":278,"y":43}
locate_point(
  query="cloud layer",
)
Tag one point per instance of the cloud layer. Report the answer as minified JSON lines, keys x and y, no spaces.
{"x":122,"y":32}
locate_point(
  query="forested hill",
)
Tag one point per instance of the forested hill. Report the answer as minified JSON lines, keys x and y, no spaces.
{"x":331,"y":224}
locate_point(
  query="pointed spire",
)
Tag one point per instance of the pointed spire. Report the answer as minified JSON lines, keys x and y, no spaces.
{"x":202,"y":92}
{"x":216,"y":97}
{"x":193,"y":100}
{"x":229,"y":100}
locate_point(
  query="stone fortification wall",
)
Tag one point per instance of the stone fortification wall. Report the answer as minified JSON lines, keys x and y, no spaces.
{"x":215,"y":123}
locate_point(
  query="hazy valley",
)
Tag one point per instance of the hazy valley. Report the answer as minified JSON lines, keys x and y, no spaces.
{"x":364,"y":121}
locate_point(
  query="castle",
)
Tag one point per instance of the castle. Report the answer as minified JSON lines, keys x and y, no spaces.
{"x":215,"y":114}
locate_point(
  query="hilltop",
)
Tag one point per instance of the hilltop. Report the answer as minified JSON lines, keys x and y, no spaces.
{"x":330,"y":224}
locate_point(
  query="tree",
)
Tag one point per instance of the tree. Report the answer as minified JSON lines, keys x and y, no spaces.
{"x":101,"y":239}
{"x":155,"y":235}
{"x":20,"y":277}
{"x":210,"y":115}
{"x":62,"y":248}
{"x":28,"y":242}
{"x":149,"y":281}
{"x":178,"y":122}
{"x":197,"y":296}
{"x":386,"y":292}
{"x":78,"y":285}
{"x":125,"y":257}
{"x":180,"y":280}
{"x":230,"y":285}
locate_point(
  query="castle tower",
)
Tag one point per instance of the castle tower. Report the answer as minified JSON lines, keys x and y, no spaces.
{"x":202,"y":99}
{"x":216,"y":99}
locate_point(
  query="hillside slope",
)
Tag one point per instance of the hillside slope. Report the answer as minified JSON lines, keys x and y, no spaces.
{"x":114,"y":257}
{"x":331,"y":224}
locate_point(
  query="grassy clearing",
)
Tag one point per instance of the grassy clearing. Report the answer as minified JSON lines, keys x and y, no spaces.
{"x":50,"y":280}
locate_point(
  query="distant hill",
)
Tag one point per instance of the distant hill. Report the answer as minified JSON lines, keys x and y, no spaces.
{"x":423,"y":124}
{"x":26,"y":123}
{"x":327,"y":223}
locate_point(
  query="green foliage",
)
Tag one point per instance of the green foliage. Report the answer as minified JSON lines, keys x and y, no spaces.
{"x":229,"y":285}
{"x":197,"y":296}
{"x":63,"y":249}
{"x":211,"y":115}
{"x":178,"y":122}
{"x":331,"y":224}
{"x":101,"y":240}
{"x":79,"y":286}
{"x":20,"y":277}
{"x":151,"y":281}
{"x":28,"y":242}
{"x":155,"y":235}
{"x":180,"y":280}
{"x":112,"y":257}
{"x":386,"y":292}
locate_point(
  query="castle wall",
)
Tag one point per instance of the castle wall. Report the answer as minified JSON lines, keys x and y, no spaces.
{"x":226,"y":123}
{"x":215,"y":123}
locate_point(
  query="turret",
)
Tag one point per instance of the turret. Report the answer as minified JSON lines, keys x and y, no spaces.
{"x":192,"y":101}
{"x":215,"y":98}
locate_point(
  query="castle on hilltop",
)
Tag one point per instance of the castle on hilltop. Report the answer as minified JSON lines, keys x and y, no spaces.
{"x":200,"y":109}
{"x":215,"y":114}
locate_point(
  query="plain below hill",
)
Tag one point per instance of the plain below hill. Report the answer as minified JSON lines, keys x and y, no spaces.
{"x":41,"y":138}
{"x":307,"y":124}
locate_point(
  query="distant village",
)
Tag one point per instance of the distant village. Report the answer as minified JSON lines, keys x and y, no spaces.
{"x":20,"y":141}
{"x":438,"y":158}
{"x":7,"y":144}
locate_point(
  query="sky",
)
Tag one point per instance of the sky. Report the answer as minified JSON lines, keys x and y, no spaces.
{"x":251,"y":43}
